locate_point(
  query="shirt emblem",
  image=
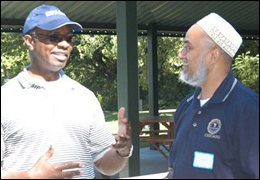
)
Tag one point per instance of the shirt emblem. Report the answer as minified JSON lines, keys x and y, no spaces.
{"x":213,"y":128}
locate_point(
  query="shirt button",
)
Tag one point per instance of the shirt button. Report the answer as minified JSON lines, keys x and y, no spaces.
{"x":194,"y":124}
{"x":199,"y":112}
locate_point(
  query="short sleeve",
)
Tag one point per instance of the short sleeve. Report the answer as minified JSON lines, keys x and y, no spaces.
{"x":100,"y":138}
{"x":2,"y":146}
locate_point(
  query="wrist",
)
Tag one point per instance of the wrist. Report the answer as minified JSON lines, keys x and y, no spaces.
{"x":29,"y":174}
{"x":125,"y":155}
{"x":14,"y":175}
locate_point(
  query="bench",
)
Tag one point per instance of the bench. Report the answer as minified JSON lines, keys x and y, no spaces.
{"x":158,"y":137}
{"x":159,"y":140}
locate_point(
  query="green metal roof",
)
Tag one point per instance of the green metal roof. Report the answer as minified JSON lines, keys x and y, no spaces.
{"x":170,"y":16}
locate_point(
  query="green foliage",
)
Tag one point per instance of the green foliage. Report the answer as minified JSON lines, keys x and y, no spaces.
{"x":246,"y":69}
{"x":171,"y":90}
{"x":93,"y":63}
{"x":249,"y":46}
{"x":14,"y":55}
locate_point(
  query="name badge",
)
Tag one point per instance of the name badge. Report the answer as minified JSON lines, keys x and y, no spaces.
{"x":203,"y":160}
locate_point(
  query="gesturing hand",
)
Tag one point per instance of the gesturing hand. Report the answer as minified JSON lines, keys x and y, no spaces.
{"x":123,"y":138}
{"x":44,"y":170}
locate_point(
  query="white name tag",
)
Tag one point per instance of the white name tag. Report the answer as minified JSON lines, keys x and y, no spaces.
{"x":203,"y":160}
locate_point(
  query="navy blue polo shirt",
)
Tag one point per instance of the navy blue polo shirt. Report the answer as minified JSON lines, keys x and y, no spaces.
{"x":219,"y":139}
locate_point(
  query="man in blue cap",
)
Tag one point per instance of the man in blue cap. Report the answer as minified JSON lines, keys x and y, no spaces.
{"x":51,"y":126}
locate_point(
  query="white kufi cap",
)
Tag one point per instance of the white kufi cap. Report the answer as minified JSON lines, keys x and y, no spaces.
{"x":222,"y":33}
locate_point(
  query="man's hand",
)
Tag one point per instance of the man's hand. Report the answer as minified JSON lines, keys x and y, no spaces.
{"x":111,"y":163}
{"x":44,"y":170}
{"x":123,"y":138}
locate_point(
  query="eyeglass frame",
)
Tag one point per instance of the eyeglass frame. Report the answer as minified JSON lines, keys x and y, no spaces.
{"x":60,"y":37}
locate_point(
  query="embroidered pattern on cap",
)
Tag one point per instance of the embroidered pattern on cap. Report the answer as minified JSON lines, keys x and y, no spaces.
{"x":221,"y":40}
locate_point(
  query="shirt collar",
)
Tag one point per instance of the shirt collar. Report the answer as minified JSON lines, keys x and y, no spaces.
{"x":27,"y":81}
{"x":223,"y":91}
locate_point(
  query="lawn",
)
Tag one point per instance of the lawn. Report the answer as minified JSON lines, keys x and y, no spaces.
{"x":111,"y":120}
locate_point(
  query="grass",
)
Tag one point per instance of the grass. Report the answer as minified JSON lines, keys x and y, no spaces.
{"x":111,"y":121}
{"x":110,"y":116}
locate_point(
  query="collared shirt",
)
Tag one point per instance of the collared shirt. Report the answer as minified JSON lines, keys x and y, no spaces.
{"x":36,"y":114}
{"x":219,"y":139}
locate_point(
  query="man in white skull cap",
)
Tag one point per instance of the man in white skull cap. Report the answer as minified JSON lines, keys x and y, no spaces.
{"x":217,"y":126}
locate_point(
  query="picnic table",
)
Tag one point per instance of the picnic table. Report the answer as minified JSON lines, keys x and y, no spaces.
{"x":157,"y":138}
{"x":162,"y":111}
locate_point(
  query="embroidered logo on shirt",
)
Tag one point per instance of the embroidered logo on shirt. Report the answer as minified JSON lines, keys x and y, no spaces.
{"x":213,"y":128}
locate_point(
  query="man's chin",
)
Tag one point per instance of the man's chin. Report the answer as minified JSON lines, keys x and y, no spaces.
{"x":188,"y":79}
{"x":184,"y":77}
{"x":58,"y":67}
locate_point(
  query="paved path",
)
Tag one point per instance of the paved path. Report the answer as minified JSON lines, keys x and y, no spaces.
{"x":151,"y":162}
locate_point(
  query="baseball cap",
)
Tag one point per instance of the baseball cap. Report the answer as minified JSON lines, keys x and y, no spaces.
{"x":221,"y":32}
{"x":48,"y":18}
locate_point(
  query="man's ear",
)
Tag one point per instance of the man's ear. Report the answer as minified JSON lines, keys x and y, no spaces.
{"x":29,"y":41}
{"x":214,"y":56}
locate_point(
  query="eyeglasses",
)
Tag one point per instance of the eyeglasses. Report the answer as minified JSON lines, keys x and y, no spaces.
{"x":56,"y":38}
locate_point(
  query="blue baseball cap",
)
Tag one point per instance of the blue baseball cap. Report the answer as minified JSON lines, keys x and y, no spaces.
{"x":48,"y":18}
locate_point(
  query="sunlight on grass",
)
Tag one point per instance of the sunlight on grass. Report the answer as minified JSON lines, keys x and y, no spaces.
{"x":113,"y":126}
{"x":110,"y":116}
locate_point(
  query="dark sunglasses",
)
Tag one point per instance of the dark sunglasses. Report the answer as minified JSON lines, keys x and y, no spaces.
{"x":56,"y":38}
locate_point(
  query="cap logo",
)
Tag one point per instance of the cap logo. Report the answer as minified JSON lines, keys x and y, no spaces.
{"x":55,"y":12}
{"x":48,"y":18}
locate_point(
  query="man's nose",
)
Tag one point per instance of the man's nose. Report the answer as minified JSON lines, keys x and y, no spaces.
{"x":182,"y":54}
{"x":64,"y":44}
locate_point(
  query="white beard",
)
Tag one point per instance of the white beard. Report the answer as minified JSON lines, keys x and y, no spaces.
{"x":198,"y":77}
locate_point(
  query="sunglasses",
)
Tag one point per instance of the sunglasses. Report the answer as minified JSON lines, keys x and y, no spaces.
{"x":56,"y":38}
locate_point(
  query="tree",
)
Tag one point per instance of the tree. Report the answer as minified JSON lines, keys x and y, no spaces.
{"x":171,"y":89}
{"x":93,"y":63}
{"x":246,"y":69}
{"x":14,"y":56}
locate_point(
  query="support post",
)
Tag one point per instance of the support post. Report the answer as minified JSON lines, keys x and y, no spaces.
{"x":127,"y":70}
